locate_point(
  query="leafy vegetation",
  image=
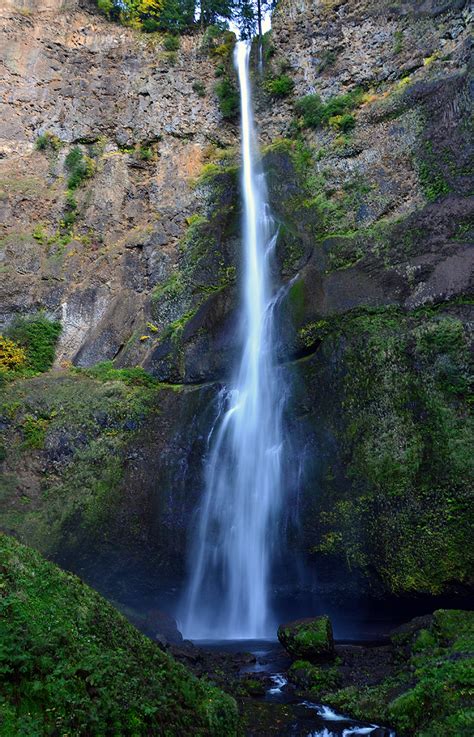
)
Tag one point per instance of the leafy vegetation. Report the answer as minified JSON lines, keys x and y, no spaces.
{"x":37,"y":336}
{"x":280,"y":86}
{"x":80,"y":167}
{"x":433,"y":682}
{"x":165,"y":15}
{"x":71,"y":664}
{"x":12,"y":355}
{"x":228,"y":97}
{"x":48,"y":141}
{"x":313,"y":112}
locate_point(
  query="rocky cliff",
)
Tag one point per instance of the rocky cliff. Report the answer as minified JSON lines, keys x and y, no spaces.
{"x":120,"y":212}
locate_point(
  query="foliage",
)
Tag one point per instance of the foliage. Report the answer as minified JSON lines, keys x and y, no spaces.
{"x":12,"y":355}
{"x":280,"y":86}
{"x":38,"y":337}
{"x":228,"y":97}
{"x":165,"y":15}
{"x":171,"y":43}
{"x":80,"y":167}
{"x":106,"y":371}
{"x":314,"y":113}
{"x":69,"y":660}
{"x":48,"y":141}
{"x":34,"y":431}
{"x":199,"y":88}
{"x":437,"y":698}
{"x":344,"y":123}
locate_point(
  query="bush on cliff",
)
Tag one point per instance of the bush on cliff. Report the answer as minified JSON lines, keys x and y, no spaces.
{"x":38,"y":336}
{"x":71,"y":664}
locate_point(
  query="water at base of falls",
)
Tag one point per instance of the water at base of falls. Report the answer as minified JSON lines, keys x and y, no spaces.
{"x":237,"y":529}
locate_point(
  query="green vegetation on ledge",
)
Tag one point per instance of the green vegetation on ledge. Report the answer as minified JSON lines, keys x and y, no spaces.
{"x":71,"y":664}
{"x":431,"y":692}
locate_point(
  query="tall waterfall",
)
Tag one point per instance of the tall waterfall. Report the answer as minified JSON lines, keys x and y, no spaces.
{"x":237,"y":529}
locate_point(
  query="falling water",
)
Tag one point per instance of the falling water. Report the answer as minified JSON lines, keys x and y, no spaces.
{"x":237,"y":530}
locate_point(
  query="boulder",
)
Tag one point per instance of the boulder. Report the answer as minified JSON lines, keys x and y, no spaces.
{"x":308,"y":639}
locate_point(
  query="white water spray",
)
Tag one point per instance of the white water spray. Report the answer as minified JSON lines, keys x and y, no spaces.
{"x":238,"y":524}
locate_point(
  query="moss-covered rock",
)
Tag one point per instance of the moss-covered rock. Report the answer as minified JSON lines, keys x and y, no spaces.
{"x":308,"y":639}
{"x":318,"y":679}
{"x":387,"y":503}
{"x":71,"y":664}
{"x":430,"y":691}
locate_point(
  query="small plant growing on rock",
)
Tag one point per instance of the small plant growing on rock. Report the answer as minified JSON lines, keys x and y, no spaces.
{"x":12,"y":355}
{"x":199,"y":89}
{"x":280,"y":86}
{"x":343,"y":123}
{"x":145,"y":153}
{"x":228,"y":98}
{"x":80,"y":167}
{"x":171,"y":43}
{"x":48,"y":141}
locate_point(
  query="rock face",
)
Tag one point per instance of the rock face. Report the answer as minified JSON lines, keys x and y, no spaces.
{"x":308,"y":639}
{"x":374,"y":252}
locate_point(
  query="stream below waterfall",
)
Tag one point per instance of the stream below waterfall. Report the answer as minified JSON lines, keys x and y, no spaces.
{"x":280,"y":711}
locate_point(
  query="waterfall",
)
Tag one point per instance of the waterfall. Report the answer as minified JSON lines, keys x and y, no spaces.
{"x":237,"y":530}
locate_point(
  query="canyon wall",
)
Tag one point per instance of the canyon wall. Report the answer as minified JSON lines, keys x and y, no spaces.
{"x":143,"y":270}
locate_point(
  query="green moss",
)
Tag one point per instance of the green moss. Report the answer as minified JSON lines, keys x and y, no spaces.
{"x":315,"y":678}
{"x":106,"y":371}
{"x":405,"y":448}
{"x":70,"y":661}
{"x":87,"y":425}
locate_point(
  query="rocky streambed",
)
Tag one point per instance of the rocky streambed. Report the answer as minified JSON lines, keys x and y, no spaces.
{"x":415,"y":680}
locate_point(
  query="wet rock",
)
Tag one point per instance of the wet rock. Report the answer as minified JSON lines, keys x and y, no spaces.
{"x":308,"y":639}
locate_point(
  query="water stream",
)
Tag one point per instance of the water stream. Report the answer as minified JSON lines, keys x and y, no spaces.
{"x":237,"y":529}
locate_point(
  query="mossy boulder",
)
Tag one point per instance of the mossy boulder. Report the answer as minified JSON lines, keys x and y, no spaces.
{"x":427,"y":690}
{"x":308,"y":639}
{"x":71,"y":664}
{"x":318,"y":679}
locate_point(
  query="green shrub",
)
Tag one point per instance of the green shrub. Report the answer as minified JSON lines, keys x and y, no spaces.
{"x":199,"y":88}
{"x":150,"y":25}
{"x":310,"y":109}
{"x":171,"y":43}
{"x":280,"y":86}
{"x":70,"y":212}
{"x":228,"y":98}
{"x":38,"y":336}
{"x":34,"y":431}
{"x":80,"y":167}
{"x":344,"y":123}
{"x":145,"y":153}
{"x":314,"y":112}
{"x":48,"y":141}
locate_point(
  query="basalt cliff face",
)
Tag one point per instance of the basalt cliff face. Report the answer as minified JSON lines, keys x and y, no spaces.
{"x":139,"y":260}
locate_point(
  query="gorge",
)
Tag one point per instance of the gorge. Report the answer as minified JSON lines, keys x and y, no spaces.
{"x":236,"y":438}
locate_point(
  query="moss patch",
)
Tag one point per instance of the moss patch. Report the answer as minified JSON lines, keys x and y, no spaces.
{"x":71,"y":664}
{"x":78,"y":429}
{"x":431,"y":694}
{"x":402,"y":508}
